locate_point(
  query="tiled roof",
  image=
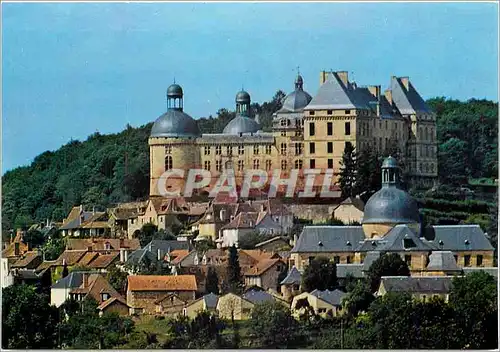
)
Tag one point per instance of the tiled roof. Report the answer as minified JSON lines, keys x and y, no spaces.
{"x":124,"y":213}
{"x":162,"y":283}
{"x":46,"y":264}
{"x":109,"y":301}
{"x":74,"y":219}
{"x":245,"y":220}
{"x":166,"y":246}
{"x":9,"y":251}
{"x":87,"y":258}
{"x":100,"y":243}
{"x":294,"y":277}
{"x":256,"y":254}
{"x":27,"y":260}
{"x":179,"y":253}
{"x":323,"y":239}
{"x":97,"y":285}
{"x":70,"y":257}
{"x":417,"y":284}
{"x":442,"y":261}
{"x":257,"y":296}
{"x":180,"y":258}
{"x":262,"y":266}
{"x":103,"y":261}
{"x":333,"y":297}
{"x":459,"y":238}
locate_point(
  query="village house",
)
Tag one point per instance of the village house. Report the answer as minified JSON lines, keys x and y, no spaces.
{"x":60,"y":290}
{"x":123,"y":219}
{"x":423,"y":287}
{"x":257,"y":296}
{"x":81,"y":223}
{"x":349,"y":210}
{"x":171,"y":305}
{"x":143,"y":291}
{"x":206,"y":303}
{"x":265,"y":274}
{"x":323,"y":303}
{"x":291,"y":284}
{"x":274,"y":244}
{"x":231,"y":306}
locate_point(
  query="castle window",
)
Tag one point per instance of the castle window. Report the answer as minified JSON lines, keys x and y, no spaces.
{"x":467,"y":260}
{"x":408,"y":260}
{"x":268,"y":149}
{"x":298,"y":133}
{"x":283,"y":133}
{"x":298,"y":164}
{"x":298,"y":148}
{"x":268,"y":165}
{"x":283,"y":164}
{"x":168,"y":162}
{"x":241,"y":150}
{"x":283,"y":148}
{"x":347,"y":128}
{"x":329,"y":128}
{"x":218,"y":150}
{"x":218,"y":165}
{"x":311,"y":129}
{"x":229,"y":150}
{"x":207,"y":165}
{"x":168,"y":149}
{"x":283,"y":122}
{"x":256,"y":149}
{"x":311,"y":113}
{"x":256,"y":164}
{"x":330,"y":163}
{"x":329,"y":112}
{"x":240,"y":165}
{"x":329,"y":147}
{"x":207,"y":150}
{"x":348,"y":112}
{"x":312,"y":148}
{"x":479,"y":260}
{"x":312,"y":163}
{"x":349,"y":259}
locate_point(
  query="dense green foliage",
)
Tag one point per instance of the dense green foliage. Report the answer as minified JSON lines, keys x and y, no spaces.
{"x":320,"y":274}
{"x":212,"y":281}
{"x":204,"y":331}
{"x":386,"y":265}
{"x":235,"y":280}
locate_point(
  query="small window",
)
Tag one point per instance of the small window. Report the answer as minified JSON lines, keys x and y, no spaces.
{"x":312,"y":131}
{"x":283,"y":122}
{"x":218,"y":165}
{"x":218,"y":150}
{"x":467,"y":260}
{"x":336,"y":259}
{"x":312,"y":163}
{"x":311,"y":113}
{"x":329,"y":147}
{"x":268,"y":149}
{"x":330,"y":163}
{"x":312,"y":148}
{"x":268,"y":165}
{"x":229,"y":150}
{"x":168,"y":162}
{"x":479,"y":260}
{"x":298,"y":148}
{"x":328,"y":112}
{"x":240,"y":165}
{"x":348,"y":112}
{"x":256,"y":164}
{"x":207,"y":150}
{"x":283,"y":149}
{"x":256,"y":149}
{"x":347,"y":128}
{"x":207,"y":165}
{"x":298,"y":164}
{"x":283,"y":165}
{"x":349,"y":259}
{"x":241,"y":150}
{"x":283,"y":133}
{"x":329,"y":128}
{"x":168,"y":149}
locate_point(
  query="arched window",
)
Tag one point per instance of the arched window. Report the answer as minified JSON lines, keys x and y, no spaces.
{"x":168,"y":162}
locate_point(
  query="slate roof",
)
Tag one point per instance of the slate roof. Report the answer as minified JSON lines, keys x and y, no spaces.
{"x":371,"y":256}
{"x":211,"y":300}
{"x":277,"y":238}
{"x":460,"y":238}
{"x":161,"y":283}
{"x":257,"y":296}
{"x":100,"y":243}
{"x":138,"y":256}
{"x":407,"y":101}
{"x":261,"y":267}
{"x":166,"y":246}
{"x":417,"y":284}
{"x":333,"y":297}
{"x":103,"y":261}
{"x":402,"y":238}
{"x":323,"y":239}
{"x":73,"y":280}
{"x":70,"y":257}
{"x":344,"y":270}
{"x":74,"y":219}
{"x":294,"y":277}
{"x":442,"y":261}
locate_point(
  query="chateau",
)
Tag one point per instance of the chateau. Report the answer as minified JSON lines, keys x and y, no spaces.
{"x":308,"y":132}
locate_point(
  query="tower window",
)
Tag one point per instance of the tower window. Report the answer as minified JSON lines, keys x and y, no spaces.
{"x":312,"y":148}
{"x":256,"y":149}
{"x":347,"y":128}
{"x":283,"y":148}
{"x":229,"y":150}
{"x":168,"y":162}
{"x":241,"y":150}
{"x":283,"y":122}
{"x":207,"y":150}
{"x":168,"y":149}
{"x":218,"y":165}
{"x":256,"y":164}
{"x":312,"y":163}
{"x":283,"y":165}
{"x":329,"y":128}
{"x":207,"y":165}
{"x":283,"y":133}
{"x":268,"y":149}
{"x":268,"y":165}
{"x":298,"y":148}
{"x":311,"y":129}
{"x":348,"y":112}
{"x":240,"y":165}
{"x":311,"y":113}
{"x":329,"y":112}
{"x":329,"y":147}
{"x":298,"y":164}
{"x":330,"y":163}
{"x":218,"y":150}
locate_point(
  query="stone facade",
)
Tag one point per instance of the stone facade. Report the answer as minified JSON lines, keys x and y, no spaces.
{"x":144,"y":302}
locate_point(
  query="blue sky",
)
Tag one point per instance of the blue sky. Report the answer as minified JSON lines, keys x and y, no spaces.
{"x":69,"y":70}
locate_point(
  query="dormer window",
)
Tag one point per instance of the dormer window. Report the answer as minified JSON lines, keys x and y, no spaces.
{"x":104,"y":296}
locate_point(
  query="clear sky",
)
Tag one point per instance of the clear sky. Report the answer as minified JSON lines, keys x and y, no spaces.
{"x":70,"y":70}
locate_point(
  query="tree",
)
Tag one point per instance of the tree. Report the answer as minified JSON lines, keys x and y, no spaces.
{"x":347,"y":175}
{"x":65,"y":271}
{"x":117,"y":278}
{"x":320,"y":274}
{"x":358,"y":299}
{"x":28,"y":319}
{"x":368,"y":173}
{"x":386,"y":265}
{"x":147,"y":233}
{"x":235,"y":281}
{"x":34,"y":238}
{"x":474,"y":301}
{"x":272,"y":326}
{"x":249,"y":240}
{"x":212,"y":281}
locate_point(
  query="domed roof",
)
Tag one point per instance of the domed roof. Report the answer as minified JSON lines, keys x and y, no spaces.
{"x":175,"y":123}
{"x":391,"y":205}
{"x":241,"y":124}
{"x":174,"y":91}
{"x":390,"y":162}
{"x":242,"y":97}
{"x":296,"y":100}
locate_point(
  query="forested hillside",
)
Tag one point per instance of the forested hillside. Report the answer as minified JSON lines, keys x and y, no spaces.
{"x":113,"y":168}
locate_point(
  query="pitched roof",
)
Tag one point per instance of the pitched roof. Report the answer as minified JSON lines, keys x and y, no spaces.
{"x":417,"y":284}
{"x":442,"y":261}
{"x":261,"y":267}
{"x":73,"y":280}
{"x":321,"y":239}
{"x":294,"y":277}
{"x":245,"y":220}
{"x":406,"y":99}
{"x":459,"y":238}
{"x":27,"y":260}
{"x":166,"y":246}
{"x":274,"y":239}
{"x":46,"y":264}
{"x":211,"y":300}
{"x":103,"y":261}
{"x":402,"y":238}
{"x":179,"y":253}
{"x":371,"y":256}
{"x":139,"y":255}
{"x":345,"y":270}
{"x":100,"y":243}
{"x":258,"y":296}
{"x":75,"y":217}
{"x":70,"y":257}
{"x":87,"y":258}
{"x":180,"y":258}
{"x":97,"y":285}
{"x":354,"y":201}
{"x":10,"y":250}
{"x":256,"y":254}
{"x":332,"y":297}
{"x":161,"y":283}
{"x":109,"y":301}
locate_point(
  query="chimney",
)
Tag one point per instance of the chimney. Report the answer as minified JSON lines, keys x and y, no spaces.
{"x":343,"y":77}
{"x":122,"y":243}
{"x":89,"y":248}
{"x":126,"y":255}
{"x":322,"y":77}
{"x":81,"y":208}
{"x":159,"y":254}
{"x":406,"y":82}
{"x":223,"y":214}
{"x":122,"y":255}
{"x":388,"y":95}
{"x":85,"y":280}
{"x":17,"y":251}
{"x":93,"y":210}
